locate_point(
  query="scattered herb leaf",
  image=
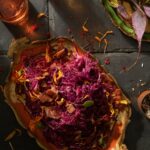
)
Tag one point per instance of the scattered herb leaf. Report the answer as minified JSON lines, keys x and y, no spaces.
{"x":88,"y":103}
{"x":39,"y":125}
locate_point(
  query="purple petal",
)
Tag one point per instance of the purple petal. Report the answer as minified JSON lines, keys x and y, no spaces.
{"x":139,"y":22}
{"x":122,"y":11}
{"x":147,"y":10}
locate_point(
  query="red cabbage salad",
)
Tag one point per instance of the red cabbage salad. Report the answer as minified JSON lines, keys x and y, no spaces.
{"x":70,"y":98}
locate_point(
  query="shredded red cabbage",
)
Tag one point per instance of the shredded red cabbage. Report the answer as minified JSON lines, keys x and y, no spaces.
{"x":73,"y":98}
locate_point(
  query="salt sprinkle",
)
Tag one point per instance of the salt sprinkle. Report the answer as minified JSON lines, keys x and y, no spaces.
{"x":142,"y":65}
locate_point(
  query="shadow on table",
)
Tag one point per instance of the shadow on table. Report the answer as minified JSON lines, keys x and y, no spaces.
{"x":134,"y":130}
{"x":5,"y":64}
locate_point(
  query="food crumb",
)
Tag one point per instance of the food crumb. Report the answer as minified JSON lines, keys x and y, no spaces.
{"x":107,"y":61}
{"x":142,"y":65}
{"x":133,"y":89}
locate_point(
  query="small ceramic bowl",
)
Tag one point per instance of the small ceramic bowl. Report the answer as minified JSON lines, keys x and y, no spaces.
{"x":144,"y":103}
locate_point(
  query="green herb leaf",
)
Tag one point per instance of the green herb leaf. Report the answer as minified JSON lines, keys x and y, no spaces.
{"x":100,"y":141}
{"x":88,"y":103}
{"x":39,"y":125}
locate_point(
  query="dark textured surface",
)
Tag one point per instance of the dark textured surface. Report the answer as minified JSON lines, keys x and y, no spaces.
{"x":71,"y":14}
{"x":9,"y":32}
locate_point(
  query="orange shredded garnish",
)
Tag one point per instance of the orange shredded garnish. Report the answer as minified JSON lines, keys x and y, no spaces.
{"x":86,"y":96}
{"x":61,"y":101}
{"x":99,"y":33}
{"x":41,"y":15}
{"x":47,"y":57}
{"x":105,"y":46}
{"x":59,"y":53}
{"x":32,"y":96}
{"x":43,"y":76}
{"x":97,"y":39}
{"x":105,"y":34}
{"x":57,"y":76}
{"x":85,"y":29}
{"x":35,"y":94}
